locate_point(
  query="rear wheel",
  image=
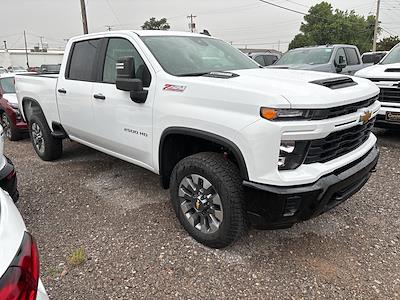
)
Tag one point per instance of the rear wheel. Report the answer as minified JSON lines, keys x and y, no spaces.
{"x":11,"y":132}
{"x":46,"y":146}
{"x":208,"y":199}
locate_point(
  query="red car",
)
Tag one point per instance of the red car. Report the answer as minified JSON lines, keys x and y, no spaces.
{"x":11,"y":119}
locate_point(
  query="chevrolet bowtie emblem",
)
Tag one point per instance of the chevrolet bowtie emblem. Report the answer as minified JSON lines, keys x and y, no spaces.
{"x":198,"y":204}
{"x":365,"y":117}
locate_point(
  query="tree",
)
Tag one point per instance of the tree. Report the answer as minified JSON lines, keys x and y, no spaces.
{"x":154,"y":24}
{"x":323,"y":25}
{"x":387,"y":43}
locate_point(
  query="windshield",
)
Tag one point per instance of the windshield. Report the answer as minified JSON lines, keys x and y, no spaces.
{"x":315,"y":56}
{"x":393,"y":56}
{"x":7,"y":85}
{"x":188,"y":55}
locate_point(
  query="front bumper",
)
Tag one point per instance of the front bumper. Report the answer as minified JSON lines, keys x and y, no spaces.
{"x":272,"y":207}
{"x":8,"y":180}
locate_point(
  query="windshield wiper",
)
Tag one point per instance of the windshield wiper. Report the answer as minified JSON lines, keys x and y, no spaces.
{"x":193,"y":74}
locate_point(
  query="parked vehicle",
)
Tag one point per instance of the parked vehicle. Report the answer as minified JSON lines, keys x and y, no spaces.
{"x":3,"y":70}
{"x":343,"y":59}
{"x":372,"y":58}
{"x":19,"y":257}
{"x":386,"y":75}
{"x":16,"y":69}
{"x":232,"y":141}
{"x":8,"y":176}
{"x":264,"y":59}
{"x":11,"y":119}
{"x":50,"y":68}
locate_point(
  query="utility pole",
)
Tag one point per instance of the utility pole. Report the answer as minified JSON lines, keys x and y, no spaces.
{"x":41,"y":41}
{"x":192,"y":25}
{"x":84,"y":17}
{"x":376,"y":25}
{"x":26,"y":50}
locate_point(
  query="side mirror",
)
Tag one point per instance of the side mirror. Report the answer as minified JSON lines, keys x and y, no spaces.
{"x":126,"y":80}
{"x":341,"y":65}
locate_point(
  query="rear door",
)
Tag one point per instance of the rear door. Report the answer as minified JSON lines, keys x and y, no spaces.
{"x":124,"y":127}
{"x":74,"y":90}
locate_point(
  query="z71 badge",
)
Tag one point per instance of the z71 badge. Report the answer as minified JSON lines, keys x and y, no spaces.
{"x":174,"y":88}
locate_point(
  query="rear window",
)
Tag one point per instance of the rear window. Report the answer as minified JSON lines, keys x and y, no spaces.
{"x":352,"y":56}
{"x":7,"y":85}
{"x":83,"y":60}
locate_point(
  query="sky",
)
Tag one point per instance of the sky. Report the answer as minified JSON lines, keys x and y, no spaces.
{"x":243,"y":23}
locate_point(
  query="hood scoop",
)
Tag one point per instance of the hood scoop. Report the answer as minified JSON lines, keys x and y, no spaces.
{"x":222,"y":75}
{"x":393,"y":70}
{"x":335,"y":83}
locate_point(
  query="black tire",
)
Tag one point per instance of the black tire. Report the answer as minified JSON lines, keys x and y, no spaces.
{"x":226,"y":181}
{"x":10,"y":131}
{"x":52,"y":148}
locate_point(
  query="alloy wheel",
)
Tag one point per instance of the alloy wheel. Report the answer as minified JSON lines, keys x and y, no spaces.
{"x":37,"y":137}
{"x":5,"y":122}
{"x":200,"y":203}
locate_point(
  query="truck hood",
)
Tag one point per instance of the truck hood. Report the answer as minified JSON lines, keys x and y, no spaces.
{"x":390,"y":71}
{"x":263,"y":87}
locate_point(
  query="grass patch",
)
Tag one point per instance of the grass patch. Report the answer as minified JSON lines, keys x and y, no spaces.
{"x":77,"y":257}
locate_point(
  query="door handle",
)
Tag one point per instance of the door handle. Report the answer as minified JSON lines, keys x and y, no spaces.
{"x":62,"y":91}
{"x":99,"y":96}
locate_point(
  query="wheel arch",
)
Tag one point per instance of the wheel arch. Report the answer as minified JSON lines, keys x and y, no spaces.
{"x":28,"y":107}
{"x":206,"y":142}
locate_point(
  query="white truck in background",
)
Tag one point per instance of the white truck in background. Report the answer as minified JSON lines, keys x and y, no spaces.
{"x":232,"y":141}
{"x":386,"y":75}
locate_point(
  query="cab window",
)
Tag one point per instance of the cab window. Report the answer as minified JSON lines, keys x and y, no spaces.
{"x":352,"y":56}
{"x":118,"y":48}
{"x":340,"y":53}
{"x":260,"y":60}
{"x":83,"y":60}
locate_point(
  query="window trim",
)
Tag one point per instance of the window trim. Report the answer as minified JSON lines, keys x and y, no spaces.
{"x":71,"y":52}
{"x":102,"y":59}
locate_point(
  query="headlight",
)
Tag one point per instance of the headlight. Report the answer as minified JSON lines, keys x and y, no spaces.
{"x":292,"y":154}
{"x":273,"y":114}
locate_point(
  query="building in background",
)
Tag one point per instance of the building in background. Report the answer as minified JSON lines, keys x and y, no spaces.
{"x":17,"y":57}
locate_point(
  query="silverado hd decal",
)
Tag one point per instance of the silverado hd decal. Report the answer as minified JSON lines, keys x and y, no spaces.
{"x":133,"y":131}
{"x":174,"y":88}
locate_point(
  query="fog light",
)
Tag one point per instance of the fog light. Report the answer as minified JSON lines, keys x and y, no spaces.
{"x":292,"y":154}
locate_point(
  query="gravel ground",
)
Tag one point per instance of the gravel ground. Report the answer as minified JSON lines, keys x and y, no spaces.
{"x":135,"y":248}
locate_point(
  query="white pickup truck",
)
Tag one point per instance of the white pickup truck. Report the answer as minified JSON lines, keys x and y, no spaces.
{"x":234,"y":143}
{"x":386,"y":75}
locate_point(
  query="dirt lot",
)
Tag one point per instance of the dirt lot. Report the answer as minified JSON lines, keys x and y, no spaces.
{"x":132,"y":247}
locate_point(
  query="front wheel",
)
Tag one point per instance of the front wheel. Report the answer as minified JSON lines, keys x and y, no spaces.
{"x":208,"y":199}
{"x":10,"y":131}
{"x":45,"y":145}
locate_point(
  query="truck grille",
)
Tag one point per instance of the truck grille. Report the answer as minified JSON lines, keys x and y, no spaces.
{"x":390,"y":95}
{"x":338,"y":143}
{"x":321,"y":114}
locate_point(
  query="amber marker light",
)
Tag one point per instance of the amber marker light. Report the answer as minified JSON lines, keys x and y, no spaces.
{"x":269,"y":113}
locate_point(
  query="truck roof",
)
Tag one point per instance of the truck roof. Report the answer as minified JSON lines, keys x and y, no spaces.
{"x":142,"y":33}
{"x":327,"y":46}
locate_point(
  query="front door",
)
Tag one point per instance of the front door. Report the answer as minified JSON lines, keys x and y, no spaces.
{"x":124,"y":127}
